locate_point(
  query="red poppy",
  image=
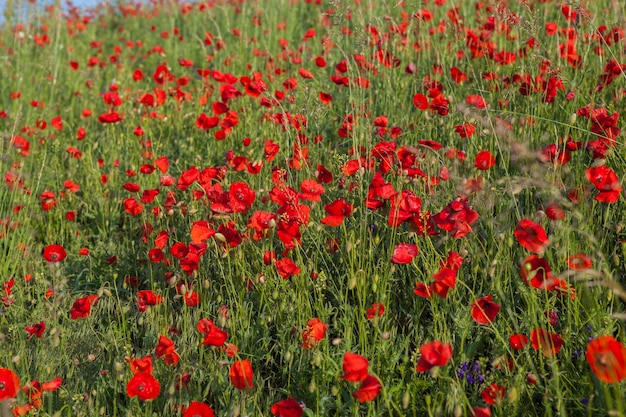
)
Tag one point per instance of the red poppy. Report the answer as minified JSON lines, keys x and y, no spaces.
{"x":423,"y":290}
{"x":518,"y":341}
{"x":531,"y":236}
{"x":481,"y":412}
{"x":607,"y":358}
{"x":433,"y":354}
{"x":9,"y":384}
{"x":354,"y":367}
{"x":337,"y":211}
{"x":465,"y":130}
{"x":166,"y":349}
{"x":313,"y":333}
{"x":605,"y":180}
{"x":420,"y":101}
{"x":198,"y":409}
{"x":241,"y":374}
{"x":52,"y":385}
{"x":548,"y":343}
{"x":36,"y":329}
{"x":54,"y":253}
{"x":377,"y":309}
{"x":404,"y":253}
{"x":141,"y":364}
{"x":286,"y":268}
{"x":201,"y":231}
{"x":143,"y":385}
{"x":287,"y":408}
{"x":213,"y":335}
{"x":82,"y":307}
{"x":493,"y":394}
{"x":109,"y":118}
{"x":579,"y":262}
{"x":368,"y":390}
{"x":484,"y":160}
{"x":554,"y":211}
{"x":536,"y":272}
{"x":484,"y":310}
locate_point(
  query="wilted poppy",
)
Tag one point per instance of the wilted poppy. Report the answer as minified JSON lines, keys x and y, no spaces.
{"x":607,"y":358}
{"x":368,"y":390}
{"x":241,"y":374}
{"x":433,"y":354}
{"x":9,"y":384}
{"x":143,"y":385}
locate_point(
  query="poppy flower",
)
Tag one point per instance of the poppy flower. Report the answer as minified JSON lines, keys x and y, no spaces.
{"x":518,"y":341}
{"x":82,"y":307}
{"x":433,"y":354}
{"x":481,"y":412}
{"x":337,"y":211}
{"x":241,"y":374}
{"x":198,"y":409}
{"x":213,"y":335}
{"x":368,"y":390}
{"x":287,"y":408}
{"x":36,"y":329}
{"x":313,"y":333}
{"x":109,"y":118}
{"x":607,"y":358}
{"x":166,"y":350}
{"x":143,"y":385}
{"x":144,"y":364}
{"x":54,"y":253}
{"x":484,"y":310}
{"x":531,"y":236}
{"x":354,"y":367}
{"x":420,"y":101}
{"x":605,"y":181}
{"x":404,"y":253}
{"x":493,"y":394}
{"x":377,"y":309}
{"x":465,"y":130}
{"x":548,"y":343}
{"x":9,"y":384}
{"x":579,"y":262}
{"x":484,"y":160}
{"x":286,"y":268}
{"x":536,"y":272}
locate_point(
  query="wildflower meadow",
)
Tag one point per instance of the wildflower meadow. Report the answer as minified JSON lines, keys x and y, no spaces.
{"x":313,"y":208}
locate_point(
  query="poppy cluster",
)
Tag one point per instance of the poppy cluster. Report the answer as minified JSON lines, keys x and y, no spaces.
{"x":143,"y":384}
{"x":355,"y":369}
